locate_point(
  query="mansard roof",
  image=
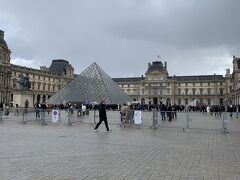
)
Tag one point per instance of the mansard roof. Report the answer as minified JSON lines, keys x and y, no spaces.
{"x":32,"y":70}
{"x":58,"y":66}
{"x":2,"y":41}
{"x":155,"y":66}
{"x":197,"y":78}
{"x":177,"y":78}
{"x":24,"y":68}
{"x":129,"y":79}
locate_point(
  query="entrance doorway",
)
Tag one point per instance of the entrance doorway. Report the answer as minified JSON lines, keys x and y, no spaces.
{"x":155,"y":101}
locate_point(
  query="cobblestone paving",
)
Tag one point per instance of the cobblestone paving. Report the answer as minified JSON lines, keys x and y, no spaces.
{"x":61,"y":152}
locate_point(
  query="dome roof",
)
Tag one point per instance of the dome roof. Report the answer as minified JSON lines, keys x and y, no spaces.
{"x":2,"y":41}
{"x":155,"y":66}
{"x":58,"y":66}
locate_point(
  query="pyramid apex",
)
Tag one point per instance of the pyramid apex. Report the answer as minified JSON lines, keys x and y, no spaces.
{"x":98,"y":84}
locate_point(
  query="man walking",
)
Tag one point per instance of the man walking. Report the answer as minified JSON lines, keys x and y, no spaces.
{"x":102,"y":116}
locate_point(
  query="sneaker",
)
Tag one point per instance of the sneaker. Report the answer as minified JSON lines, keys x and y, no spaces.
{"x":95,"y":130}
{"x":109,"y":131}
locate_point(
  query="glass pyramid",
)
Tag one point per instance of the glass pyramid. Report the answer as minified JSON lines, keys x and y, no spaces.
{"x":94,"y":85}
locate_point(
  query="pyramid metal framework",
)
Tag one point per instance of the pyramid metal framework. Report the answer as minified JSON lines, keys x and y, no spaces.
{"x":92,"y":84}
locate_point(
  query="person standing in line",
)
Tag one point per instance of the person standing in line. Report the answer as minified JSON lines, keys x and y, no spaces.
{"x":83,"y":110}
{"x":163,"y":110}
{"x":16,"y":110}
{"x":37,"y":109}
{"x":102,"y":116}
{"x":1,"y":107}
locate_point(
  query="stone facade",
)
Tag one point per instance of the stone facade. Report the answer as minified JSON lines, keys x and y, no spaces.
{"x":44,"y":82}
{"x":152,"y":89}
{"x":5,"y":70}
{"x":233,"y":82}
{"x":158,"y":87}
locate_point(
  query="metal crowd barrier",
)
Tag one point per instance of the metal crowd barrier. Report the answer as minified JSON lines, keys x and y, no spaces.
{"x":45,"y":116}
{"x":224,"y":122}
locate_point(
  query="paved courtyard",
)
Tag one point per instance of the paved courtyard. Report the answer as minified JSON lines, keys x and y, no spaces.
{"x":56,"y":151}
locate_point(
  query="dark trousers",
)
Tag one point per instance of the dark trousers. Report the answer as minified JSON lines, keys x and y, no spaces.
{"x":163,"y":116}
{"x":100,"y":121}
{"x":37,"y":114}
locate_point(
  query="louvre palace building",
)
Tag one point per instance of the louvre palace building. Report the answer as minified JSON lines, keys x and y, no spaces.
{"x":156,"y":87}
{"x":44,"y":82}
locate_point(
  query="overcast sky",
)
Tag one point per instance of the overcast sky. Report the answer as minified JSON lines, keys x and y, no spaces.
{"x":195,"y":37}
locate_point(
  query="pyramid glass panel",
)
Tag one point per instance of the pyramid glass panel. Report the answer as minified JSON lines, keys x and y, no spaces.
{"x":92,"y":84}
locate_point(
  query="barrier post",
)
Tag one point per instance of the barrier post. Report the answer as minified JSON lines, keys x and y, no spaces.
{"x":23,"y":116}
{"x":68,"y":123}
{"x":94,"y":118}
{"x":224,"y":129}
{"x":44,"y":123}
{"x":155,"y":120}
{"x":1,"y":116}
{"x":187,"y":127}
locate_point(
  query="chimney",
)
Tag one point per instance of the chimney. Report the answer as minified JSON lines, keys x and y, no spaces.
{"x":1,"y":34}
{"x":142,"y":76}
{"x":165,"y":65}
{"x":149,"y":64}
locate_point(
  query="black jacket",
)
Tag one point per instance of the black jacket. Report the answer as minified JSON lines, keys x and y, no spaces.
{"x":102,"y":112}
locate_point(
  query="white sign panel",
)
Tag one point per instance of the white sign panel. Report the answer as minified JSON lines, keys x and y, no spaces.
{"x":137,"y":117}
{"x":55,"y":116}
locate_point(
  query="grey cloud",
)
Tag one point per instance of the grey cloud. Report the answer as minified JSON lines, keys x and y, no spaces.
{"x":122,"y":36}
{"x":198,"y":24}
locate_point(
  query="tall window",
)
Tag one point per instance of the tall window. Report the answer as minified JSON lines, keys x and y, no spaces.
{"x":221,"y":91}
{"x":209,"y":91}
{"x":179,"y":101}
{"x":11,"y":97}
{"x":209,"y":101}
